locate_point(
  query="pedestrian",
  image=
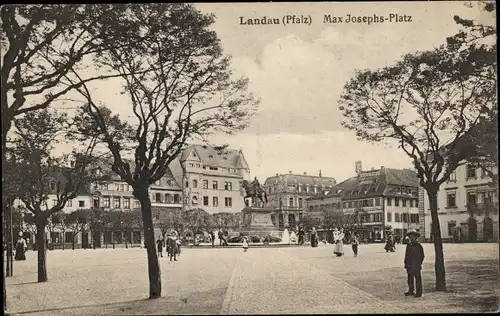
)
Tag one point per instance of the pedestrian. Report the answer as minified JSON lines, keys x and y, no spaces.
{"x":159,"y":246}
{"x":301,"y":236}
{"x":414,"y":256}
{"x":314,"y":237}
{"x":338,"y":236}
{"x":212,"y":237}
{"x":355,"y":245}
{"x":245,"y":244}
{"x":221,"y":237}
{"x":21,"y":248}
{"x":178,"y":244}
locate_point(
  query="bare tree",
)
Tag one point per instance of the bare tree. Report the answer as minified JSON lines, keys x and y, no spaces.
{"x":428,"y":102}
{"x":185,"y":89}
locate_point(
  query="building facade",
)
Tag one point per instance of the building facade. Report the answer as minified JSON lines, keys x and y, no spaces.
{"x":318,"y":207}
{"x":381,"y":200}
{"x":288,"y":193}
{"x":110,"y":194}
{"x":467,"y":207}
{"x":211,"y":177}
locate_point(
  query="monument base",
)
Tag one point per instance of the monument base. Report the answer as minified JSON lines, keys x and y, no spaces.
{"x":258,"y":222}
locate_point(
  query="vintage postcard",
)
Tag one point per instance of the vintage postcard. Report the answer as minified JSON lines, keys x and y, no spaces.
{"x":253,"y":158}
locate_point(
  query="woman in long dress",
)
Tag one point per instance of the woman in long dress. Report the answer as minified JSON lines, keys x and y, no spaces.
{"x":21,"y":248}
{"x":338,"y":249}
{"x":245,"y":244}
{"x":314,"y":237}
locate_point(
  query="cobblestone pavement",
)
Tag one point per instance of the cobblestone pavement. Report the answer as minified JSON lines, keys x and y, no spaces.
{"x":226,"y":281}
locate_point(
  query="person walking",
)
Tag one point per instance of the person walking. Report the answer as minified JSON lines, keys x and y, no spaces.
{"x":159,"y":246}
{"x":314,"y":237}
{"x":355,"y":245}
{"x":21,"y":248}
{"x":212,"y":237}
{"x":245,"y":244}
{"x":338,"y":236}
{"x":414,"y":257}
{"x":301,"y":236}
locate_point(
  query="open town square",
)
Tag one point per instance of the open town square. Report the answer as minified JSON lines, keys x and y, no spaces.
{"x":254,"y":158}
{"x":299,"y":280}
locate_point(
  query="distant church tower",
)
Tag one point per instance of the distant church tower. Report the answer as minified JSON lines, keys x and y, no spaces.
{"x":358,"y":168}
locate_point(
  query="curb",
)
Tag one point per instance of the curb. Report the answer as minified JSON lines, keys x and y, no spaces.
{"x":230,"y":290}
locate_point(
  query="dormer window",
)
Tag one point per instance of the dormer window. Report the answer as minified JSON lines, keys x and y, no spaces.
{"x":52,"y":185}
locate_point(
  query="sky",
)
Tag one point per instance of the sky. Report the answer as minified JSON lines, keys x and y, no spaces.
{"x":298,"y":72}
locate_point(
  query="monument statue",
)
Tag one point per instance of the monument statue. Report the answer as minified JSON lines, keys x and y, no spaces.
{"x":255,"y":191}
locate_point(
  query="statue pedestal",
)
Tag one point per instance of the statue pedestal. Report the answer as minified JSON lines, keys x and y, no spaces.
{"x":258,"y":222}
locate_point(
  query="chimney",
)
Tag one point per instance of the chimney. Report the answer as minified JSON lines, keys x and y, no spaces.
{"x":381,"y":167}
{"x":290,"y":171}
{"x":277,"y":174}
{"x":358,"y":168}
{"x":320,"y":173}
{"x":305,"y":173}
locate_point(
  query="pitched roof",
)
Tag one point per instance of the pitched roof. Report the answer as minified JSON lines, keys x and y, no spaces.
{"x":294,"y":179}
{"x":378,"y":182}
{"x":214,"y":156}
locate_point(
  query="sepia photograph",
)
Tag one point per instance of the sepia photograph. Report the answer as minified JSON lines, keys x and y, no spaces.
{"x":250,"y":158}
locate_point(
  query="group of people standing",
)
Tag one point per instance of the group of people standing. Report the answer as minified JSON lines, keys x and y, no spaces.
{"x":172,"y":244}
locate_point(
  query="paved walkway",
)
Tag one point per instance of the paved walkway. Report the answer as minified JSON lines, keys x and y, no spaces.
{"x":294,"y":287}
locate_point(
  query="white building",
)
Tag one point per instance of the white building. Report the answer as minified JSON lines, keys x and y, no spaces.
{"x":211,"y":178}
{"x":467,"y":204}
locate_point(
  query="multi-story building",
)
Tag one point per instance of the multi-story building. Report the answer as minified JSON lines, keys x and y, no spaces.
{"x":211,"y":178}
{"x":467,"y":207}
{"x":319,"y":206}
{"x":110,"y":193}
{"x":287,"y":195}
{"x":381,"y":200}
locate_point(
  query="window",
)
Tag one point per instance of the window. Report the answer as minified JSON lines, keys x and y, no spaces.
{"x":205,"y":200}
{"x":228,"y":201}
{"x":365,"y":203}
{"x":69,"y":203}
{"x":228,"y":186}
{"x":195,"y":183}
{"x":137,"y":204}
{"x":389,"y":201}
{"x":414,"y":218}
{"x":205,"y":184}
{"x":397,"y":218}
{"x":471,"y":198}
{"x":389,"y":217}
{"x":117,"y":187}
{"x":129,"y":188}
{"x":396,"y":201}
{"x":453,"y":176}
{"x":311,"y":208}
{"x":471,"y":171}
{"x":345,"y":204}
{"x":404,"y":218}
{"x":177,"y":198}
{"x":126,"y":203}
{"x":168,"y":198}
{"x":349,"y":204}
{"x":451,"y":199}
{"x":106,"y":201}
{"x":370,"y":202}
{"x":158,"y":197}
{"x":404,"y":202}
{"x":215,"y":185}
{"x":117,"y":202}
{"x":52,"y":185}
{"x":194,"y":200}
{"x":187,"y":184}
{"x":411,"y":203}
{"x":105,"y":186}
{"x":54,"y":202}
{"x":290,"y":202}
{"x":300,"y":203}
{"x":451,"y":225}
{"x":215,"y":201}
{"x":377,"y":201}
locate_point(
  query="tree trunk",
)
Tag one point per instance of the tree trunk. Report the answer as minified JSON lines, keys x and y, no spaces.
{"x":63,"y":239}
{"x":42,"y":251}
{"x":73,"y":241}
{"x":438,"y":243}
{"x":149,"y":242}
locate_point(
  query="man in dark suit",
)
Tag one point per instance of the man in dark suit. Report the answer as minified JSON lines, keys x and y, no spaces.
{"x":414,"y":256}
